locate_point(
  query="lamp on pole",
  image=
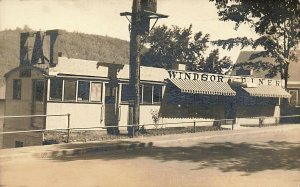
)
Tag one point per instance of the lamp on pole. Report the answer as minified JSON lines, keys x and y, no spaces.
{"x":142,"y":12}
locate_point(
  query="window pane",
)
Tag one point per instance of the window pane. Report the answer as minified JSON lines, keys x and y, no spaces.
{"x":70,"y":90}
{"x":56,"y":89}
{"x":126,"y":95}
{"x":110,"y":94}
{"x":96,"y":91}
{"x":157,"y":93}
{"x":39,"y":91}
{"x":83,"y":91}
{"x":141,"y":95}
{"x":147,"y":94}
{"x":294,"y":97}
{"x":17,"y":89}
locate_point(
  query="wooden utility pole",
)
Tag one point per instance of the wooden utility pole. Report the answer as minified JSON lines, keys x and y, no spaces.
{"x":142,"y":12}
{"x":134,"y":68}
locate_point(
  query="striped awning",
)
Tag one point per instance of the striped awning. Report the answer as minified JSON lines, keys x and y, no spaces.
{"x":203,"y":87}
{"x":267,"y":91}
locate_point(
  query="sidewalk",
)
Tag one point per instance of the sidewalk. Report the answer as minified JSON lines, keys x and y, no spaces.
{"x":80,"y":149}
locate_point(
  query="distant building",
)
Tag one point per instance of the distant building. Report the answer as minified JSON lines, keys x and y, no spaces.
{"x":293,"y":86}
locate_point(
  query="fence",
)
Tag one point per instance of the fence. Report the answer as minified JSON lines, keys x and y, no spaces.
{"x":132,"y":128}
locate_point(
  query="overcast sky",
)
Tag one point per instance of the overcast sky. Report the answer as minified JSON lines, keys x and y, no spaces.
{"x":103,"y":17}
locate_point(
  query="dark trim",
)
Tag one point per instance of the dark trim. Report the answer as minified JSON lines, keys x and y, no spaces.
{"x":74,"y":102}
{"x":78,"y":77}
{"x":126,"y":81}
{"x":154,"y":104}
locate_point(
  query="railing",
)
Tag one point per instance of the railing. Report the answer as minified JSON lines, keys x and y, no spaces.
{"x":133,"y":128}
{"x":39,"y":130}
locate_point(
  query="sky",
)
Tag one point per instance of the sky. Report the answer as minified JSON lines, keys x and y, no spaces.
{"x":102,"y":17}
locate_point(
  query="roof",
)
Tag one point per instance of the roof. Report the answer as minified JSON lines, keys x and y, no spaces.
{"x":267,"y":91}
{"x":294,"y":67}
{"x":89,"y":68}
{"x":203,"y":87}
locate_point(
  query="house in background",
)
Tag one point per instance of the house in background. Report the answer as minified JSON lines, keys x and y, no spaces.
{"x":292,"y":107}
{"x":293,"y":86}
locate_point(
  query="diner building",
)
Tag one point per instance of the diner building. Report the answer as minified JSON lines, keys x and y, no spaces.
{"x":98,"y":95}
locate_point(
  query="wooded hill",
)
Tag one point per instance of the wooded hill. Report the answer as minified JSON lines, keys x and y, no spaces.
{"x":73,"y":45}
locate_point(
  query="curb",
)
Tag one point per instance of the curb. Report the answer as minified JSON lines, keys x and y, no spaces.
{"x":92,"y":150}
{"x":78,"y":151}
{"x":144,"y":143}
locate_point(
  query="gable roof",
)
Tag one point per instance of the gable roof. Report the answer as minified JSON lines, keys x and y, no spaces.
{"x":294,"y":67}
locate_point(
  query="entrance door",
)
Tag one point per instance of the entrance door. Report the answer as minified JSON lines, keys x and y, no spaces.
{"x":38,"y":103}
{"x":111,"y":113}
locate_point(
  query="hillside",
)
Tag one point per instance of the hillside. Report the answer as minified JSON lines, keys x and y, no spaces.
{"x":72,"y":45}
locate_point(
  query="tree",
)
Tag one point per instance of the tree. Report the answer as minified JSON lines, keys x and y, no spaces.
{"x":179,"y":45}
{"x":276,"y":22}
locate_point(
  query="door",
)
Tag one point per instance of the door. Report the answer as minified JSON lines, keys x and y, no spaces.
{"x":38,"y":103}
{"x":111,"y":108}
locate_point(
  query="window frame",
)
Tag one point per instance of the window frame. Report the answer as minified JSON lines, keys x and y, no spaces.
{"x":14,"y":95}
{"x":112,"y":96}
{"x":297,"y":96}
{"x":35,"y":83}
{"x":150,"y":86}
{"x":122,"y":89}
{"x":62,"y":90}
{"x":101,"y":92}
{"x":77,"y":91}
{"x":160,"y":96}
{"x":152,"y":94}
{"x":63,"y":100}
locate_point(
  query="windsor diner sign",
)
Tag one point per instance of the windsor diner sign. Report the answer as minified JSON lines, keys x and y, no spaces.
{"x":184,"y":75}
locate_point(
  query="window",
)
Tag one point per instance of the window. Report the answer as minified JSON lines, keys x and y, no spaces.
{"x":151,"y":94}
{"x":56,"y":89}
{"x":96,"y":91}
{"x":70,"y":90}
{"x":39,"y":90}
{"x":126,"y":95}
{"x":294,"y":97}
{"x":147,"y":94}
{"x":110,"y":94}
{"x":17,"y":85}
{"x":83,"y":91}
{"x":157,"y":93}
{"x":19,"y":144}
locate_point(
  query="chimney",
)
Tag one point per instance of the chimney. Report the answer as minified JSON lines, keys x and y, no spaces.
{"x":179,"y":66}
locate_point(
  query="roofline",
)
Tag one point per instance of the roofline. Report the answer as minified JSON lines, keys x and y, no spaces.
{"x":28,"y":67}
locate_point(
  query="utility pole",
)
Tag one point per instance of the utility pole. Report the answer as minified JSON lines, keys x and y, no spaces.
{"x":134,"y":68}
{"x":142,"y":12}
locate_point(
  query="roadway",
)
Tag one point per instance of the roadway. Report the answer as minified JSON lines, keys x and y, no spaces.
{"x":264,"y":158}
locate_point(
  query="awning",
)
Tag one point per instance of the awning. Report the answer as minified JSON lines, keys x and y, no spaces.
{"x":267,"y":91}
{"x":203,"y":87}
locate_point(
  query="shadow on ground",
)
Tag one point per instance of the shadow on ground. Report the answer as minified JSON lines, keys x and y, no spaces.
{"x":225,"y":156}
